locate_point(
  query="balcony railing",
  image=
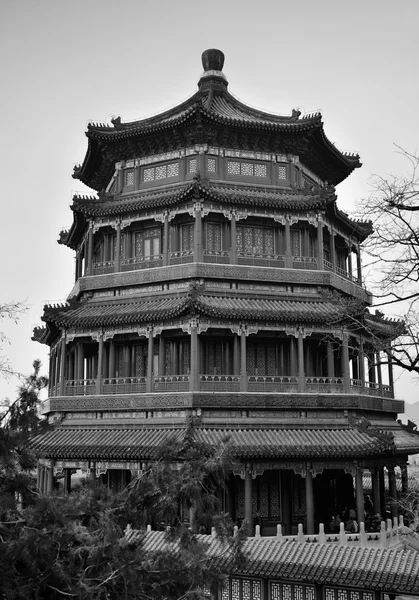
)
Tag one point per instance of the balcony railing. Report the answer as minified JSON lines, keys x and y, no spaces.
{"x":324,"y":385}
{"x":217,"y":256}
{"x":304,"y":262}
{"x":100,"y":268}
{"x":181,"y":257}
{"x":219,"y":383}
{"x":271,"y":383}
{"x":124,"y":385}
{"x":171,"y":383}
{"x":141,"y":262}
{"x":261,"y":260}
{"x":80,"y":387}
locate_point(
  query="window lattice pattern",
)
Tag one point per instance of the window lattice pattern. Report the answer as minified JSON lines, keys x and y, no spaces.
{"x":282,"y":172}
{"x":255,"y":240}
{"x":298,"y":592}
{"x":246,"y":590}
{"x":310,"y":592}
{"x":185,"y":358}
{"x":240,"y":499}
{"x":298,"y":498}
{"x":264,"y":499}
{"x":211,"y":165}
{"x":140,"y":360}
{"x":215,"y":353}
{"x":355,"y":596}
{"x":167,"y":358}
{"x":147,"y":242}
{"x":329,"y":594}
{"x":235,"y":589}
{"x":161,"y":172}
{"x":187,"y":236}
{"x":246,"y":169}
{"x":192,"y":165}
{"x":295,"y":242}
{"x":257,"y":590}
{"x":214,"y":236}
{"x":287,"y":591}
{"x":129,"y":177}
{"x":225,"y":592}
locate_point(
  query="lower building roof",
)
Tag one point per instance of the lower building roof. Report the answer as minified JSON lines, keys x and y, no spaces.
{"x":388,"y":570}
{"x":142,"y":444}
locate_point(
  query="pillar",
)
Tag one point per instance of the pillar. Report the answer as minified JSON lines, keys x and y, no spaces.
{"x":345,"y":364}
{"x":332,"y":250}
{"x":150,"y":356}
{"x":392,"y":492}
{"x":320,"y":245}
{"x":288,"y":257}
{"x":243,"y":365}
{"x":330,"y":360}
{"x":233,"y":232}
{"x":166,"y":255}
{"x":293,"y":357}
{"x":90,"y":250}
{"x":350,"y":262}
{"x":67,"y":481}
{"x":382,"y":492}
{"x":358,"y":264}
{"x":375,"y":481}
{"x":99,"y":378}
{"x":80,"y":361}
{"x":120,"y":178}
{"x":390,"y":371}
{"x":359,"y":496}
{"x":42,"y":479}
{"x":248,"y":510}
{"x":198,"y":234}
{"x":405,"y":479}
{"x":62,"y":364}
{"x":162,"y":362}
{"x":112,"y":360}
{"x":50,"y":481}
{"x":309,"y":501}
{"x":361,"y":363}
{"x":118,"y":247}
{"x":286,"y":499}
{"x":379,"y":374}
{"x":193,"y":382}
{"x":301,"y":373}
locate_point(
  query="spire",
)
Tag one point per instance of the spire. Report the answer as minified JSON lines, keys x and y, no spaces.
{"x":213,"y":78}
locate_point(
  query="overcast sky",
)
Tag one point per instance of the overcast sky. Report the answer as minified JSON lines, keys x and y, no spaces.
{"x":65,"y":63}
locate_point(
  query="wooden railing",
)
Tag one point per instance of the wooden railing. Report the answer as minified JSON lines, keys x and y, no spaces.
{"x":80,"y":387}
{"x":181,"y":257}
{"x":304,"y":262}
{"x":217,"y":256}
{"x":100,"y":268}
{"x":271,"y":383}
{"x":141,"y":262}
{"x":261,"y":260}
{"x":324,"y":385}
{"x":171,"y":383}
{"x":219,"y":383}
{"x":124,"y":385}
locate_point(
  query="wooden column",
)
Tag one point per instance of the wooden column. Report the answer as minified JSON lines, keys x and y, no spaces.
{"x":379,"y":374}
{"x":198,"y":233}
{"x":118,"y":247}
{"x":233,"y":233}
{"x":359,"y":496}
{"x":112,"y":360}
{"x":382,"y":491}
{"x":293,"y":357}
{"x":90,"y":250}
{"x":120,"y":178}
{"x":62,"y":364}
{"x":67,"y":481}
{"x":288,"y":257}
{"x":243,"y":365}
{"x":345,"y":364}
{"x":309,"y":501}
{"x":193,"y":382}
{"x":150,"y":356}
{"x":350,"y":262}
{"x":99,"y":374}
{"x":392,"y":492}
{"x":166,"y":244}
{"x":80,"y":361}
{"x":236,"y":354}
{"x":42,"y":479}
{"x":405,"y":479}
{"x":50,"y":481}
{"x":358,"y":264}
{"x":390,"y":372}
{"x":162,"y":362}
{"x":248,"y":509}
{"x":332,"y":250}
{"x":320,"y":245}
{"x":126,"y":361}
{"x":361,"y":363}
{"x":375,"y":480}
{"x":330,"y":359}
{"x":301,"y":372}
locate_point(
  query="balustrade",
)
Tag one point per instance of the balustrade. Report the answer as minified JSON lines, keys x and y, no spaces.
{"x":171,"y":383}
{"x":324,"y":385}
{"x":100,"y":268}
{"x":217,"y":256}
{"x":80,"y":387}
{"x":261,"y":260}
{"x":304,"y":262}
{"x":219,"y":383}
{"x":270,"y":383}
{"x":124,"y":385}
{"x":181,"y":257}
{"x":141,"y":262}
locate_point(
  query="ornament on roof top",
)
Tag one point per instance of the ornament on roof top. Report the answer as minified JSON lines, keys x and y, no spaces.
{"x":212,"y":60}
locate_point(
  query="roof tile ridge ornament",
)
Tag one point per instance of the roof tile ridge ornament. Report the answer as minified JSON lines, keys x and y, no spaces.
{"x":361,"y":424}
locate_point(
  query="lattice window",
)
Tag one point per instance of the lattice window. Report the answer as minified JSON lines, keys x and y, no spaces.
{"x":282,"y":172}
{"x":148,"y":174}
{"x":211,"y":165}
{"x":295,"y":242}
{"x":329,"y":594}
{"x":147,"y":243}
{"x":240,"y":498}
{"x":367,"y":596}
{"x":298,"y":592}
{"x":225,"y":591}
{"x":355,"y":596}
{"x":187,"y":235}
{"x":185,"y":358}
{"x":276,"y":591}
{"x":261,"y":171}
{"x":246,"y":169}
{"x":287,"y":592}
{"x":310,"y":592}
{"x":119,"y":361}
{"x":161,"y":172}
{"x":342,"y":595}
{"x":129,"y":177}
{"x":215,"y":354}
{"x":233,"y":168}
{"x":255,"y":240}
{"x":140,"y":360}
{"x":263,"y":498}
{"x":167,"y":358}
{"x":192,"y":165}
{"x":235,"y":589}
{"x":256,"y":590}
{"x":245,"y":590}
{"x":298,"y":498}
{"x":214,"y":236}
{"x":274,"y":495}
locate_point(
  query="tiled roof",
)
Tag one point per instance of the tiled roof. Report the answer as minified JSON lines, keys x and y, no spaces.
{"x":95,"y":314}
{"x":387,"y":570}
{"x":140,"y":443}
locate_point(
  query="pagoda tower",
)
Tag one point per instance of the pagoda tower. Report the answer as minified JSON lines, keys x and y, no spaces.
{"x":212,"y":265}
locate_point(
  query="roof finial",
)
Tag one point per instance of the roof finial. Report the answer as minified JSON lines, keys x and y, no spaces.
{"x":212,"y":60}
